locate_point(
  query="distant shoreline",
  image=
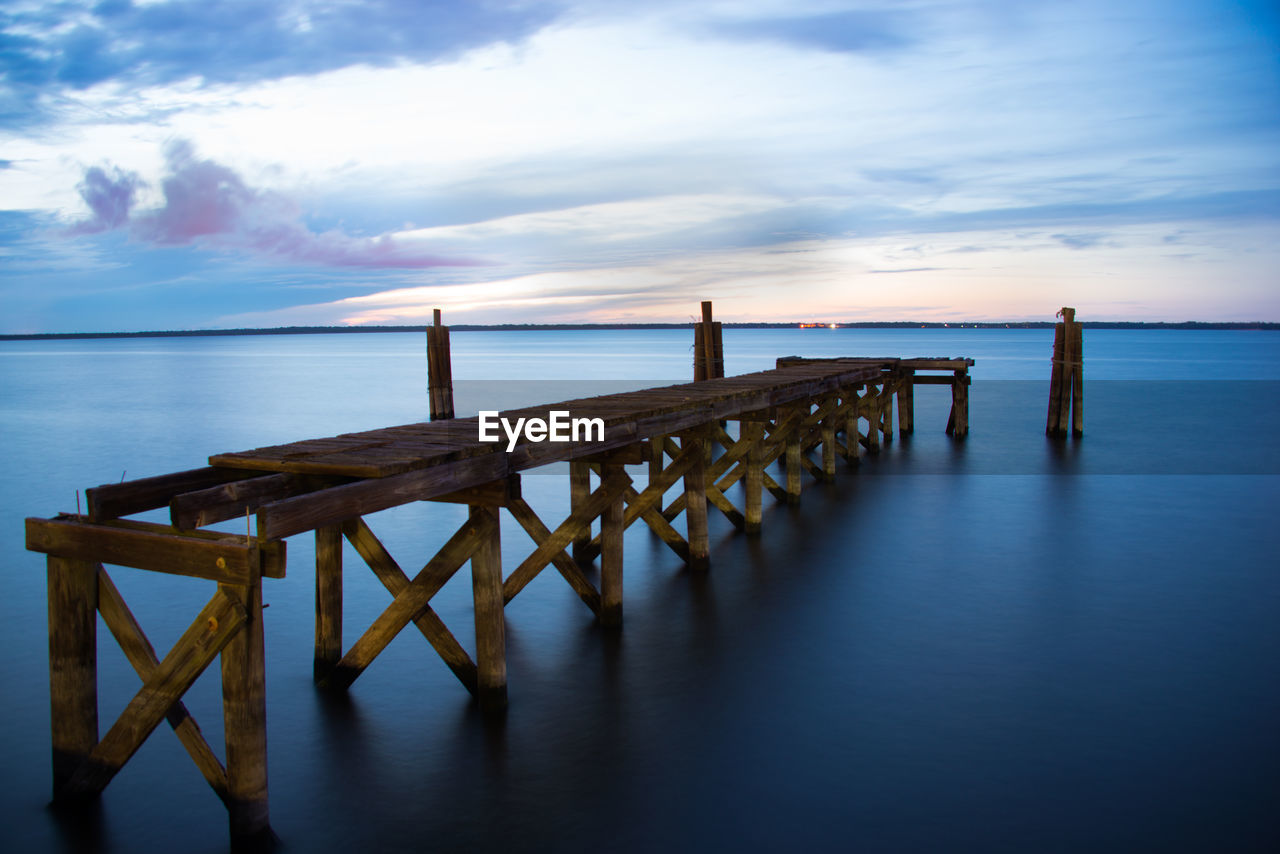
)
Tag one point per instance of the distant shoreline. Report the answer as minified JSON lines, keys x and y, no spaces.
{"x":536,"y":327}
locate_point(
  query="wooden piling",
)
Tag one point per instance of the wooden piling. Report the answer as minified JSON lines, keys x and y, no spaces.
{"x":1066,"y":379}
{"x":486,"y":588}
{"x":439,"y":371}
{"x":611,"y":530}
{"x":753,"y":431}
{"x":695,"y":494}
{"x":244,"y":709}
{"x":708,"y":347}
{"x":73,"y":665}
{"x":579,"y":490}
{"x":328,"y":600}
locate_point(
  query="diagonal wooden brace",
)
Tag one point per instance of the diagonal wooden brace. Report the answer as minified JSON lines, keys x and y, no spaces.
{"x":213,"y":628}
{"x":555,"y":542}
{"x":410,"y":603}
{"x":120,"y":620}
{"x":375,"y":554}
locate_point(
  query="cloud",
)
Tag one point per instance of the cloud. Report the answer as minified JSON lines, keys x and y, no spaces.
{"x":77,"y":44}
{"x":852,"y":31}
{"x":209,"y":204}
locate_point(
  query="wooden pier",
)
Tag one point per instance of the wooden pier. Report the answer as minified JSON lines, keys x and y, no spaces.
{"x":840,"y":408}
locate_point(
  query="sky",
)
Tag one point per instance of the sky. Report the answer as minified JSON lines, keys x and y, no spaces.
{"x":197,"y":164}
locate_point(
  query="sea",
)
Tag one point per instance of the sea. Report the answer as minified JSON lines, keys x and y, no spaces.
{"x":1005,"y":643}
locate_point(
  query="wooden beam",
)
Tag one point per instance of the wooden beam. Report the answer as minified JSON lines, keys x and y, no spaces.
{"x":695,"y":495}
{"x":579,"y":490}
{"x":498,"y":493}
{"x":290,"y":516}
{"x":113,"y":500}
{"x":203,"y":507}
{"x":568,"y":568}
{"x":142,"y":545}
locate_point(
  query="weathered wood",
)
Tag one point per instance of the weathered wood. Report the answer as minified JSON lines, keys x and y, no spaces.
{"x":579,"y":489}
{"x":202,"y":507}
{"x":244,"y":712}
{"x":933,"y":379}
{"x":829,"y":448}
{"x":695,"y":513}
{"x":558,"y":540}
{"x":567,"y":567}
{"x":611,"y":531}
{"x":1056,"y":376}
{"x":411,"y":602}
{"x":138,"y":650}
{"x":113,"y":500}
{"x":753,"y":433}
{"x":958,"y":424}
{"x":498,"y":493}
{"x":217,"y":622}
{"x":1077,"y":381}
{"x":143,"y":545}
{"x":73,"y":665}
{"x":439,"y":373}
{"x":307,"y":512}
{"x":328,"y":600}
{"x":375,"y":554}
{"x":486,"y":589}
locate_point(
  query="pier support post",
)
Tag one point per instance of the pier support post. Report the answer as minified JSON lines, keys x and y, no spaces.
{"x":73,"y":665}
{"x":486,"y":588}
{"x":907,"y":404}
{"x":579,"y":490}
{"x":695,"y":511}
{"x":439,"y":371}
{"x":958,"y":423}
{"x":753,"y":432}
{"x":244,"y":710}
{"x":886,"y":411}
{"x":871,"y":411}
{"x":328,"y":600}
{"x":611,"y":530}
{"x":852,"y":433}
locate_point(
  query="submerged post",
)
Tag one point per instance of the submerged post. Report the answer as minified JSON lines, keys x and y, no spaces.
{"x":1066,"y":381}
{"x":439,"y":370}
{"x":708,"y":347}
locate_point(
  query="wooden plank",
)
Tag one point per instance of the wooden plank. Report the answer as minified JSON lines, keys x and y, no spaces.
{"x":306,"y":512}
{"x":232,"y":500}
{"x":217,"y":622}
{"x":498,"y":493}
{"x":217,"y":557}
{"x":486,"y":591}
{"x":138,"y":650}
{"x":113,"y":500}
{"x":427,"y":621}
{"x":73,"y":665}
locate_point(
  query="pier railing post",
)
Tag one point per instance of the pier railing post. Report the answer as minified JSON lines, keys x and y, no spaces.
{"x":439,"y":370}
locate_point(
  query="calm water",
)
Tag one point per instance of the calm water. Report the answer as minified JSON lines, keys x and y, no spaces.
{"x":1006,"y":644}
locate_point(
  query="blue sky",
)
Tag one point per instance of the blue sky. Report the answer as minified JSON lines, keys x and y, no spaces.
{"x":292,"y":162}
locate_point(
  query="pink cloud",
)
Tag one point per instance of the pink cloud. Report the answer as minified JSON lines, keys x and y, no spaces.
{"x":209,"y":204}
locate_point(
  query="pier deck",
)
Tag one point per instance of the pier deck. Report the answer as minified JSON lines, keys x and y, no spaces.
{"x":842,"y":407}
